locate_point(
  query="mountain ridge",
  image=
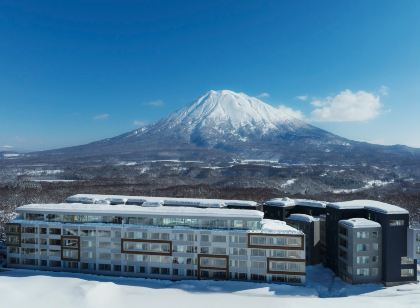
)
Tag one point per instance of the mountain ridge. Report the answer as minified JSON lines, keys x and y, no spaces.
{"x":225,"y":125}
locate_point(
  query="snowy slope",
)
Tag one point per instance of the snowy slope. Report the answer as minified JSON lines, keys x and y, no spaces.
{"x":225,"y":125}
{"x":24,"y":288}
{"x":226,"y":109}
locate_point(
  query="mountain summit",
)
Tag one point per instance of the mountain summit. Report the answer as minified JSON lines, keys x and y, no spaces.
{"x":225,"y":125}
{"x":234,"y":111}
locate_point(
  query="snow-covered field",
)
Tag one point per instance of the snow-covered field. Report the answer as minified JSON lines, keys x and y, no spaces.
{"x":24,"y":288}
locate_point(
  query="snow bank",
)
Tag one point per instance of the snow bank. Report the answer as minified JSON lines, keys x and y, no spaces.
{"x":24,"y":288}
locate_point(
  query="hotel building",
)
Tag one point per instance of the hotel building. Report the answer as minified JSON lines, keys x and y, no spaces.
{"x":166,"y":238}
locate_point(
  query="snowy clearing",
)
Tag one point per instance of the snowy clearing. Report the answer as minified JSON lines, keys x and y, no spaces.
{"x":25,"y":288}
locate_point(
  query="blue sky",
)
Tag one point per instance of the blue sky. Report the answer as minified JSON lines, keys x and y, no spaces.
{"x":77,"y":71}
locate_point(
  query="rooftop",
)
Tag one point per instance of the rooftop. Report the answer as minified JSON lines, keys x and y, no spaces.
{"x":126,"y":210}
{"x":278,"y":226}
{"x":281,"y":202}
{"x":302,"y":217}
{"x":287,"y":202}
{"x":372,"y":205}
{"x":193,"y":202}
{"x":360,"y":223}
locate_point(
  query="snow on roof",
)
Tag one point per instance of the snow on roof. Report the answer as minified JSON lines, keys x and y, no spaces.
{"x":278,"y":226}
{"x":311,"y":203}
{"x":360,"y":223}
{"x":94,"y":198}
{"x":125,"y":210}
{"x":287,"y":202}
{"x":281,"y":202}
{"x":372,"y":205}
{"x":302,"y":217}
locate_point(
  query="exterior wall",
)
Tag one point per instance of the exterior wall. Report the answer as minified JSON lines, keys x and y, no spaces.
{"x":356,"y":265}
{"x":413,"y":243}
{"x":309,"y":210}
{"x":331,"y":225}
{"x":277,"y":212}
{"x":158,"y":252}
{"x":395,"y":263}
{"x":312,"y":238}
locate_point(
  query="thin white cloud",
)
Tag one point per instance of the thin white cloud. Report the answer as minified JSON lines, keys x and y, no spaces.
{"x":302,"y":97}
{"x":6,"y":146}
{"x":347,"y":106}
{"x":139,"y":123}
{"x":383,"y":90}
{"x":264,"y":95}
{"x":101,"y":117}
{"x":156,"y":103}
{"x":292,"y":112}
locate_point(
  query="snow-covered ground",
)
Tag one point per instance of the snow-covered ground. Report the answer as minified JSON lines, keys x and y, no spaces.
{"x":24,"y":288}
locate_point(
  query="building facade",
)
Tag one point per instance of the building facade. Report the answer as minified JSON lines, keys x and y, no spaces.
{"x":360,"y":250}
{"x":413,"y":242}
{"x":397,"y":266}
{"x":149,"y":239}
{"x":311,"y":227}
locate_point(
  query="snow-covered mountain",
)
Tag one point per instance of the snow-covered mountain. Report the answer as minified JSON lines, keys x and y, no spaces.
{"x":224,"y":125}
{"x":223,"y":118}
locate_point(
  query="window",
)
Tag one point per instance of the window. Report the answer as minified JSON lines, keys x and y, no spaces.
{"x":219,"y":238}
{"x":375,"y":234}
{"x":219,"y":250}
{"x":55,"y":231}
{"x":374,"y":259}
{"x":70,"y":254}
{"x":375,"y":246}
{"x":213,"y":262}
{"x":258,"y":264}
{"x":238,"y":251}
{"x":70,"y":242}
{"x":146,"y":247}
{"x":13,"y":240}
{"x":418,"y":250}
{"x":104,"y":267}
{"x":396,"y":222}
{"x":362,"y":234}
{"x":70,"y":248}
{"x":362,"y":272}
{"x":374,"y":271}
{"x":362,"y":247}
{"x":406,"y":260}
{"x":407,"y":272}
{"x":128,"y":268}
{"x":55,"y":263}
{"x":257,"y":277}
{"x":257,"y":252}
{"x":70,"y":232}
{"x":103,"y":233}
{"x":29,"y":230}
{"x":418,"y":236}
{"x":362,"y":259}
{"x":32,"y":216}
{"x":56,"y":242}
{"x":238,"y":224}
{"x":205,"y":238}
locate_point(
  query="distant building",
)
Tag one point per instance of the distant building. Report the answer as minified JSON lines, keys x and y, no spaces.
{"x":166,"y":238}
